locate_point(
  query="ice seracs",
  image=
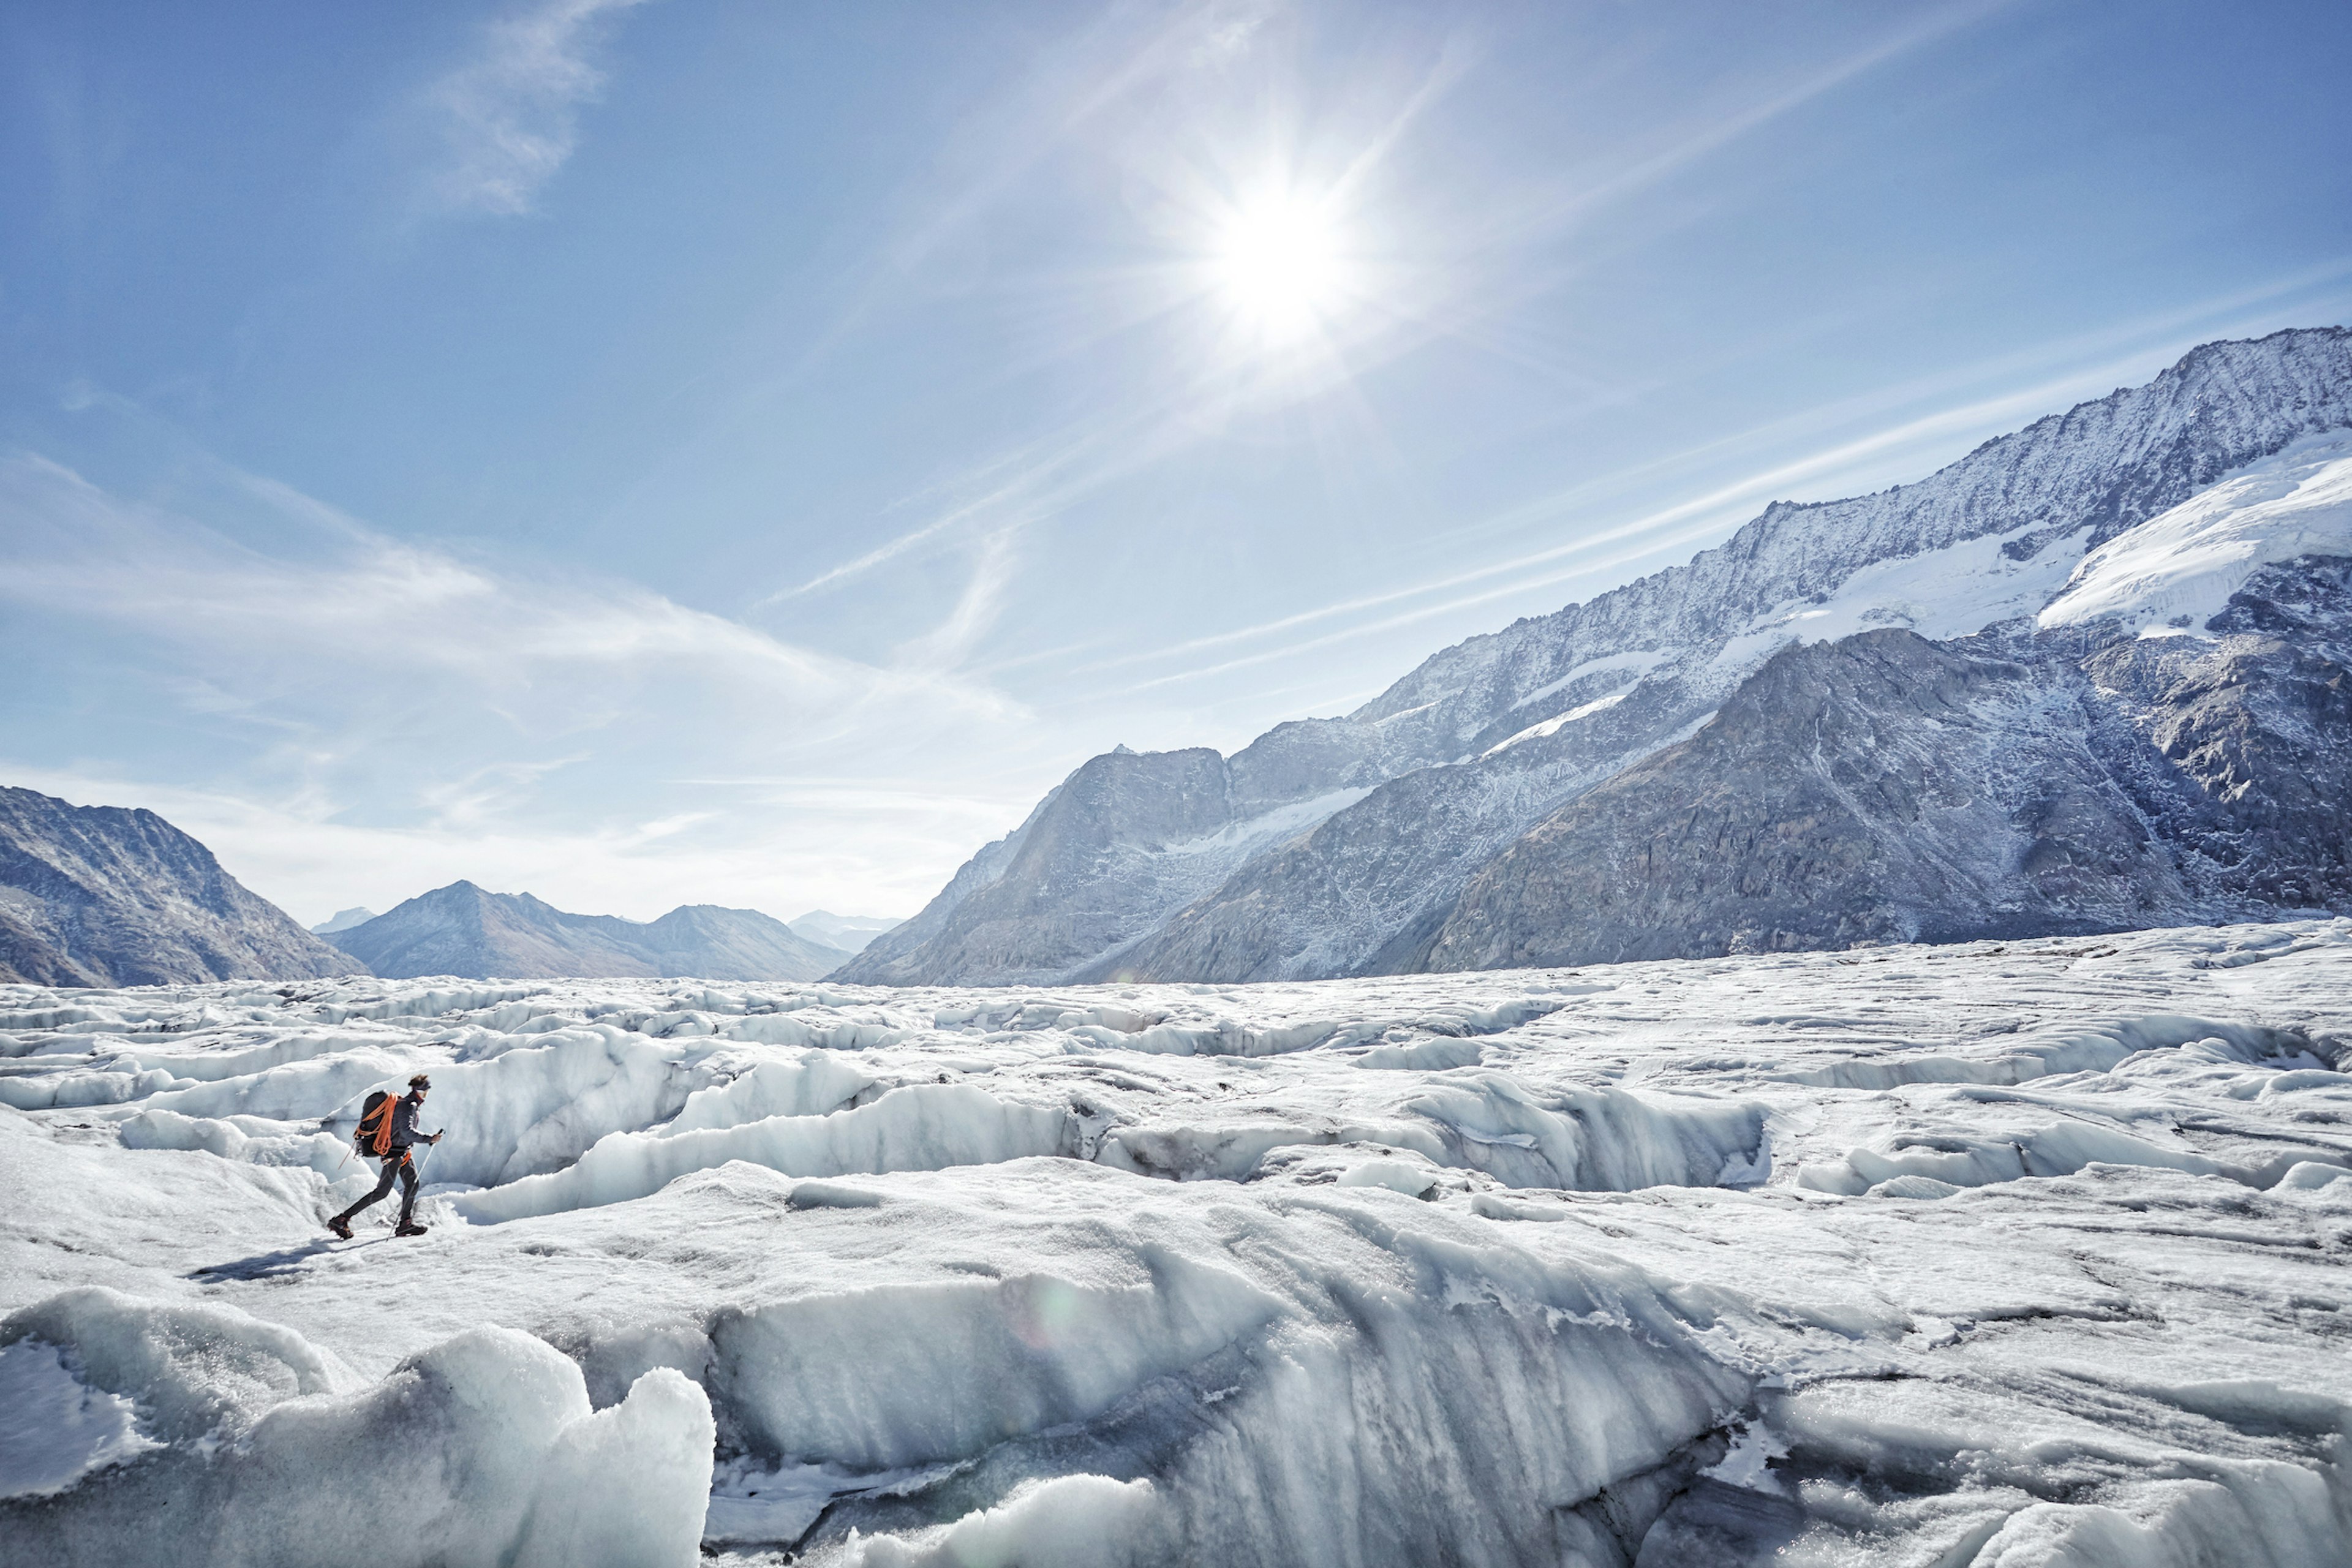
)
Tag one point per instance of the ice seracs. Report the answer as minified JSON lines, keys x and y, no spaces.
{"x":2026,"y":1253}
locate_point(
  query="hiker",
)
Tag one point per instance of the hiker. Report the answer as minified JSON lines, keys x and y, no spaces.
{"x":387,"y":1129}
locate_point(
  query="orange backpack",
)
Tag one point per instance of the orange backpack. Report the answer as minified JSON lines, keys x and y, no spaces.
{"x":375,"y":1134}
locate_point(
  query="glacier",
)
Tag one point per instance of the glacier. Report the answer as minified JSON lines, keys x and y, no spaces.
{"x":1999,"y":1253}
{"x":2179,"y":568}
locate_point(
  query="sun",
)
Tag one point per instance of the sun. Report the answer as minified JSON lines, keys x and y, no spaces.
{"x":1279,"y":260}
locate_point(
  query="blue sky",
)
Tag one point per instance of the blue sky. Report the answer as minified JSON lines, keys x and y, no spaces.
{"x":688,"y":451}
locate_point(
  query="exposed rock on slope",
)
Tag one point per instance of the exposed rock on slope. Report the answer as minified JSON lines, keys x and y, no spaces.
{"x":96,"y":894}
{"x":1322,"y":903}
{"x":2252,"y":725}
{"x":1342,"y":845}
{"x":462,"y":930}
{"x":1884,"y":788}
{"x":1117,"y":845}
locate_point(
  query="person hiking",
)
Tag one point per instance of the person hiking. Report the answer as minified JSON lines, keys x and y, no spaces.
{"x":387,"y":1132}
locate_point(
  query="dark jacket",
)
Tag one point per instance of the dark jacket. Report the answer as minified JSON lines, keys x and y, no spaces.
{"x":404,"y":1121}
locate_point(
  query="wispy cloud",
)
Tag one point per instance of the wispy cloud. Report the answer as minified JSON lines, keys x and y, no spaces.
{"x":383,"y":715}
{"x":371,"y":626}
{"x":996,"y":493}
{"x":944,"y":648}
{"x":1688,"y":145}
{"x":510,"y":115}
{"x":2027,"y":383}
{"x":549,"y":654}
{"x":1043,"y":478}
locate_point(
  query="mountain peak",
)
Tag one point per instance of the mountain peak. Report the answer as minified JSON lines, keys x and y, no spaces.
{"x":1337,"y":846}
{"x":463,"y":930}
{"x":108,"y":896}
{"x":845,"y":933}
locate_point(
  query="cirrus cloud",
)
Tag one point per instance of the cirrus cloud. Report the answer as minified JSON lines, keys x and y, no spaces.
{"x":510,"y":115}
{"x":355,"y":718}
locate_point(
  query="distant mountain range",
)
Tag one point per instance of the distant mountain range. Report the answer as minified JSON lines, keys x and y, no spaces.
{"x":2095,"y":674}
{"x":97,"y":895}
{"x":848,"y":933}
{"x":463,"y":930}
{"x":101,"y":896}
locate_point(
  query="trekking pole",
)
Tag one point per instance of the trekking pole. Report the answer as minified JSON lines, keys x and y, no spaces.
{"x":349,"y":1144}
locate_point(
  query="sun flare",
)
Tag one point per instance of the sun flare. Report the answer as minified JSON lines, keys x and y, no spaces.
{"x":1280,"y":262}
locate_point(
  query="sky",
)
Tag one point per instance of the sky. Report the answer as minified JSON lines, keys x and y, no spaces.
{"x":644,"y":452}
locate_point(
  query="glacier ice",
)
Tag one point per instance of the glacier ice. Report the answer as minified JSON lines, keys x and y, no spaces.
{"x":2004,"y":1253}
{"x":481,"y":1449}
{"x":55,"y":1428}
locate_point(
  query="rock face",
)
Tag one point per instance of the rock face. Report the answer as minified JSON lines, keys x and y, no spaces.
{"x":103,"y":896}
{"x":2070,"y":775}
{"x":462,"y":930}
{"x":1884,"y":788}
{"x":2248,"y":736}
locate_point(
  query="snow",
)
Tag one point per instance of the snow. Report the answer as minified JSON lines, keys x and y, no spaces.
{"x":1070,"y":1522}
{"x":1637,"y":663}
{"x":2179,"y":568}
{"x":1953,"y":592}
{"x":1553,"y":725}
{"x":2020,"y":1254}
{"x":1281,"y":822}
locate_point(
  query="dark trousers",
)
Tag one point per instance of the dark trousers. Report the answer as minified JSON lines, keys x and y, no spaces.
{"x":399,"y":1167}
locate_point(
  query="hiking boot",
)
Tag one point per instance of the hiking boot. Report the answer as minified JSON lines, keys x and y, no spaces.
{"x":340,"y":1226}
{"x":411,"y":1228}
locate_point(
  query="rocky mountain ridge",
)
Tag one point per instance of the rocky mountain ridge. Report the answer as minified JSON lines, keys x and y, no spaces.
{"x":1342,"y":845}
{"x":1990,"y":786}
{"x":99,"y":895}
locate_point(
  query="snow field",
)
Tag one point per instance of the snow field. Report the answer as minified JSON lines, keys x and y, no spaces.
{"x":2020,"y":1255}
{"x":2179,"y":567}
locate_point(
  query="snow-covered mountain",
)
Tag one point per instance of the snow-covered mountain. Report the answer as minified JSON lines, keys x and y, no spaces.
{"x":2209,"y":503}
{"x":848,"y":933}
{"x":358,"y":914}
{"x":462,"y":930}
{"x":97,"y":895}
